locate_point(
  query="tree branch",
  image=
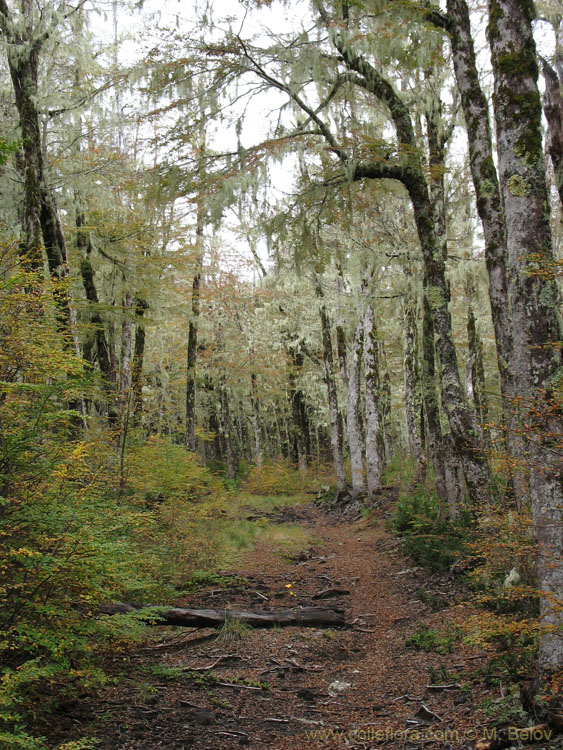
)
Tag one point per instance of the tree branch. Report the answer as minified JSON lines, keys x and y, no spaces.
{"x":313,"y":115}
{"x":375,"y":83}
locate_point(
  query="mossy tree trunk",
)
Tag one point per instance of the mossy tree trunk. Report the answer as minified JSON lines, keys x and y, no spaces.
{"x":374,"y":459}
{"x":413,"y":399}
{"x":353,"y":413}
{"x":490,"y":209}
{"x":141,"y":306}
{"x":193,"y":325}
{"x":125,"y":360}
{"x":41,"y":222}
{"x":485,"y":181}
{"x":102,"y":353}
{"x":537,"y":358}
{"x":190,"y":437}
{"x":385,"y":431}
{"x":256,"y":422}
{"x":336,"y":437}
{"x":475,"y":375}
{"x":298,"y":406}
{"x":231,"y":453}
{"x":432,"y":409}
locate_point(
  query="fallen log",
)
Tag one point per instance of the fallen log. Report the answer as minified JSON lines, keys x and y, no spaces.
{"x":213,"y":618}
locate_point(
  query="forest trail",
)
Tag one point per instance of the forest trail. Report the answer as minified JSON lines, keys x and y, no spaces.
{"x":359,"y":687}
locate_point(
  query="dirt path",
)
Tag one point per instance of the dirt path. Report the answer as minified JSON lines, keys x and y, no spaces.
{"x":300,"y":688}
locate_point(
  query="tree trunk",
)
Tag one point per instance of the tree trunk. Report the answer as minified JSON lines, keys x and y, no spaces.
{"x":84,"y":247}
{"x":490,"y":209}
{"x":475,"y":376}
{"x":125,"y":363}
{"x":298,"y":407}
{"x":23,"y":64}
{"x":336,"y":441}
{"x":452,"y":455}
{"x":385,"y":434}
{"x":553,"y":109}
{"x":353,"y":414}
{"x":455,"y":488}
{"x":230,"y":448}
{"x":141,"y":306}
{"x":485,"y":181}
{"x":256,"y":425}
{"x":190,"y":438}
{"x":412,"y":389}
{"x":374,"y":459}
{"x":432,"y":410}
{"x":537,"y":359}
{"x":40,"y":215}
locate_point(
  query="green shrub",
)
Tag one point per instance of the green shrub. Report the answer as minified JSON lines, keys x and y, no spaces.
{"x":431,"y":541}
{"x":427,"y":639}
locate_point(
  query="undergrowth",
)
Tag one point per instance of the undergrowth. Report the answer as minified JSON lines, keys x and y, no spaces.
{"x":78,"y":529}
{"x":281,"y":477}
{"x":494,"y":556}
{"x":428,"y":639}
{"x":429,"y":540}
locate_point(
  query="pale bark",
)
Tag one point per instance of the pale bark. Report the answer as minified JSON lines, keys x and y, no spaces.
{"x":373,"y":427}
{"x":412,"y":388}
{"x":226,"y":428}
{"x":336,"y":441}
{"x":475,"y":376}
{"x":490,"y":209}
{"x":256,"y":424}
{"x":485,"y":181}
{"x":432,"y":410}
{"x":353,"y":414}
{"x":385,"y":436}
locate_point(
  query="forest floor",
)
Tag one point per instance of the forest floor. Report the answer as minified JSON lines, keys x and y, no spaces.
{"x":357,"y":687}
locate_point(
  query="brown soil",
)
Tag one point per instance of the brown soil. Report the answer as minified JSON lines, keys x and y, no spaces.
{"x":280,"y":694}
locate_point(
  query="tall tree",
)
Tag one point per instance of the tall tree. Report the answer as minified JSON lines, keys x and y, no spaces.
{"x":353,"y":412}
{"x":334,"y":412}
{"x":374,"y":459}
{"x":537,"y":330}
{"x":26,"y":31}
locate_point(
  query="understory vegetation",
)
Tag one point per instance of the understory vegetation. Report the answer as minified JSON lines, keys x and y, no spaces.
{"x":485,"y":562}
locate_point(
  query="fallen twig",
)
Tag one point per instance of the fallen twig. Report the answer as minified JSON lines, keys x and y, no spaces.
{"x":191,"y":705}
{"x":239,"y":686}
{"x":224,"y":657}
